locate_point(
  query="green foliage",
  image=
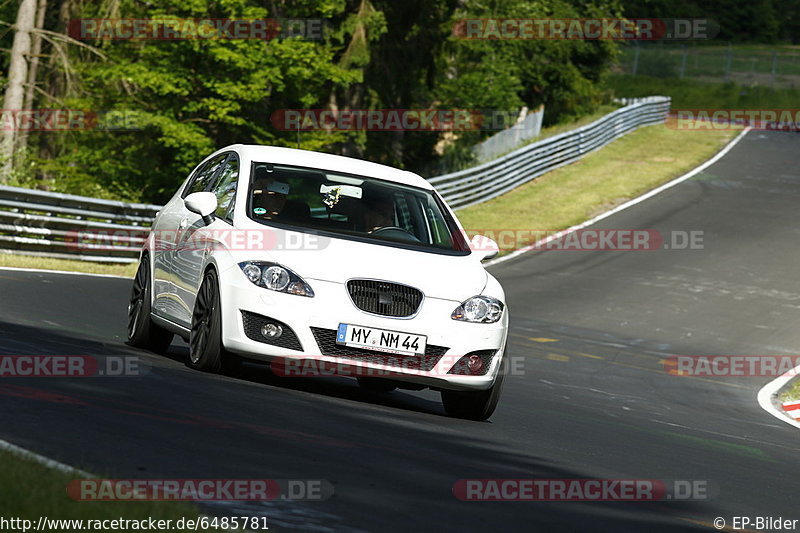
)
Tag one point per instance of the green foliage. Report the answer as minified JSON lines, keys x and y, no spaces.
{"x":740,"y":21}
{"x":182,"y":99}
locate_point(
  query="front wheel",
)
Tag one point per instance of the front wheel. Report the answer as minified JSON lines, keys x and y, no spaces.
{"x":474,"y":405}
{"x":206,"y":352}
{"x":142,"y":332}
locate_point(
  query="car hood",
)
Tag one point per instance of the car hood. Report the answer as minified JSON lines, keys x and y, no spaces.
{"x":315,"y":257}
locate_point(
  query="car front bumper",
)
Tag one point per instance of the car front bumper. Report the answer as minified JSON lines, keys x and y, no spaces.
{"x":313,"y":319}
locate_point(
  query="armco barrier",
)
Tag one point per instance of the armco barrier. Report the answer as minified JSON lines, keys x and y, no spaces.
{"x":484,"y":182}
{"x":50,"y":224}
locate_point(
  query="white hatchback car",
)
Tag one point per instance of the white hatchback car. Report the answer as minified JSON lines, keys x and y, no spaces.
{"x":310,"y":260}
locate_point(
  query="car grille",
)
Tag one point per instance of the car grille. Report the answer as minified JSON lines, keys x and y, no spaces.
{"x":462,"y":368}
{"x":326,"y":339}
{"x":384,"y":298}
{"x":252,"y":328}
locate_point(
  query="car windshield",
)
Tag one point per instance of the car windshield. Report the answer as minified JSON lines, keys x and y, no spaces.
{"x":352,"y":206}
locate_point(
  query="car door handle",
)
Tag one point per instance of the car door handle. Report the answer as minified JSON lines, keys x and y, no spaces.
{"x":184,"y":223}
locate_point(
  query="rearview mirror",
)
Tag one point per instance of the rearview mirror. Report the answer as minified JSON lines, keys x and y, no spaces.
{"x":202,"y":203}
{"x":341,"y":190}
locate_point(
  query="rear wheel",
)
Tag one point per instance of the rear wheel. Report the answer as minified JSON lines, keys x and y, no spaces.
{"x":206,"y":352}
{"x":142,"y":332}
{"x":474,"y":405}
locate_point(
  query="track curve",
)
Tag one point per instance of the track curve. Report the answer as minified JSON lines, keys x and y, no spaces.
{"x":594,"y":400}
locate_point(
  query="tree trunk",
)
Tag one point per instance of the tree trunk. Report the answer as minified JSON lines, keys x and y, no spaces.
{"x":33,"y":70}
{"x":17,"y":75}
{"x":54,"y":85}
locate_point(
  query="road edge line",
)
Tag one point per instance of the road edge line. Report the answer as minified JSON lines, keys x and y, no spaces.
{"x":769,"y":390}
{"x":649,"y":194}
{"x":41,"y":459}
{"x":46,"y":271}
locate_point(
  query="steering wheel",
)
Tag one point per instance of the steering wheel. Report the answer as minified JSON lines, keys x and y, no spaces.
{"x":394,"y":232}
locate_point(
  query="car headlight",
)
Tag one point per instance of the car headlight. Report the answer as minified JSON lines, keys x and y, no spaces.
{"x":484,"y":309}
{"x":276,"y":278}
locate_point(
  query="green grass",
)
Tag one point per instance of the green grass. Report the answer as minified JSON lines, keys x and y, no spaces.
{"x":744,"y":64}
{"x":622,"y":170}
{"x":692,"y":94}
{"x":792,"y":393}
{"x":45,"y":263}
{"x":29,"y":490}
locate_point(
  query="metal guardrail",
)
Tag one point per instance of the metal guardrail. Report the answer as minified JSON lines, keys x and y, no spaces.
{"x":489,"y":180}
{"x":47,"y":224}
{"x":67,"y":226}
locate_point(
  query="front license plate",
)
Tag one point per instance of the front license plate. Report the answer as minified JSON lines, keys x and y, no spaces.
{"x":381,"y":340}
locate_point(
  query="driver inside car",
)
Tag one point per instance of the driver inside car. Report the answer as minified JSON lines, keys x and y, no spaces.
{"x":269,"y":197}
{"x":379,"y":214}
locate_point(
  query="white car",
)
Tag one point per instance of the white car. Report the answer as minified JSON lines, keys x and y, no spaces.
{"x":294,"y":257}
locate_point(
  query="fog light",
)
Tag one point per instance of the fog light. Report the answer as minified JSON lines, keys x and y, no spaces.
{"x":271,"y":331}
{"x":474,"y":364}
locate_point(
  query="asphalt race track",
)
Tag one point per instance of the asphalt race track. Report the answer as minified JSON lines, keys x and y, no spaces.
{"x":593,"y":399}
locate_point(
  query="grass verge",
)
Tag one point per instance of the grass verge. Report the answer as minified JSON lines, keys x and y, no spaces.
{"x":692,"y":94}
{"x":46,"y":263}
{"x":45,"y":495}
{"x":626,"y":168}
{"x":792,"y":393}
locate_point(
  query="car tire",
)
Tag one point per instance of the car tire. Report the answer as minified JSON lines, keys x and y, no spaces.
{"x":376,"y":384}
{"x":206,"y":352}
{"x":142,"y":332}
{"x":474,"y":405}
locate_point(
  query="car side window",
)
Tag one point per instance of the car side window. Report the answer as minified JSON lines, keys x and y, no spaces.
{"x":440,"y":233}
{"x":403,"y":213}
{"x":225,"y":188}
{"x":204,"y":175}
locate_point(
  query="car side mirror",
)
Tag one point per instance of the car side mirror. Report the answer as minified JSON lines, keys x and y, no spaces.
{"x":202,"y":203}
{"x":484,"y":247}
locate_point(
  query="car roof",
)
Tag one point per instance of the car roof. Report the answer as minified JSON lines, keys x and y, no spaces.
{"x":307,"y":158}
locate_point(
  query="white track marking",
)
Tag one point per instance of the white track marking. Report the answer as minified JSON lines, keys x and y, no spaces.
{"x":45,"y":271}
{"x":768,"y":391}
{"x":42,"y":460}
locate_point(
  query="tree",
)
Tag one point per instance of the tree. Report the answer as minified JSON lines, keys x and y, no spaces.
{"x":14,"y":98}
{"x":165,"y":104}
